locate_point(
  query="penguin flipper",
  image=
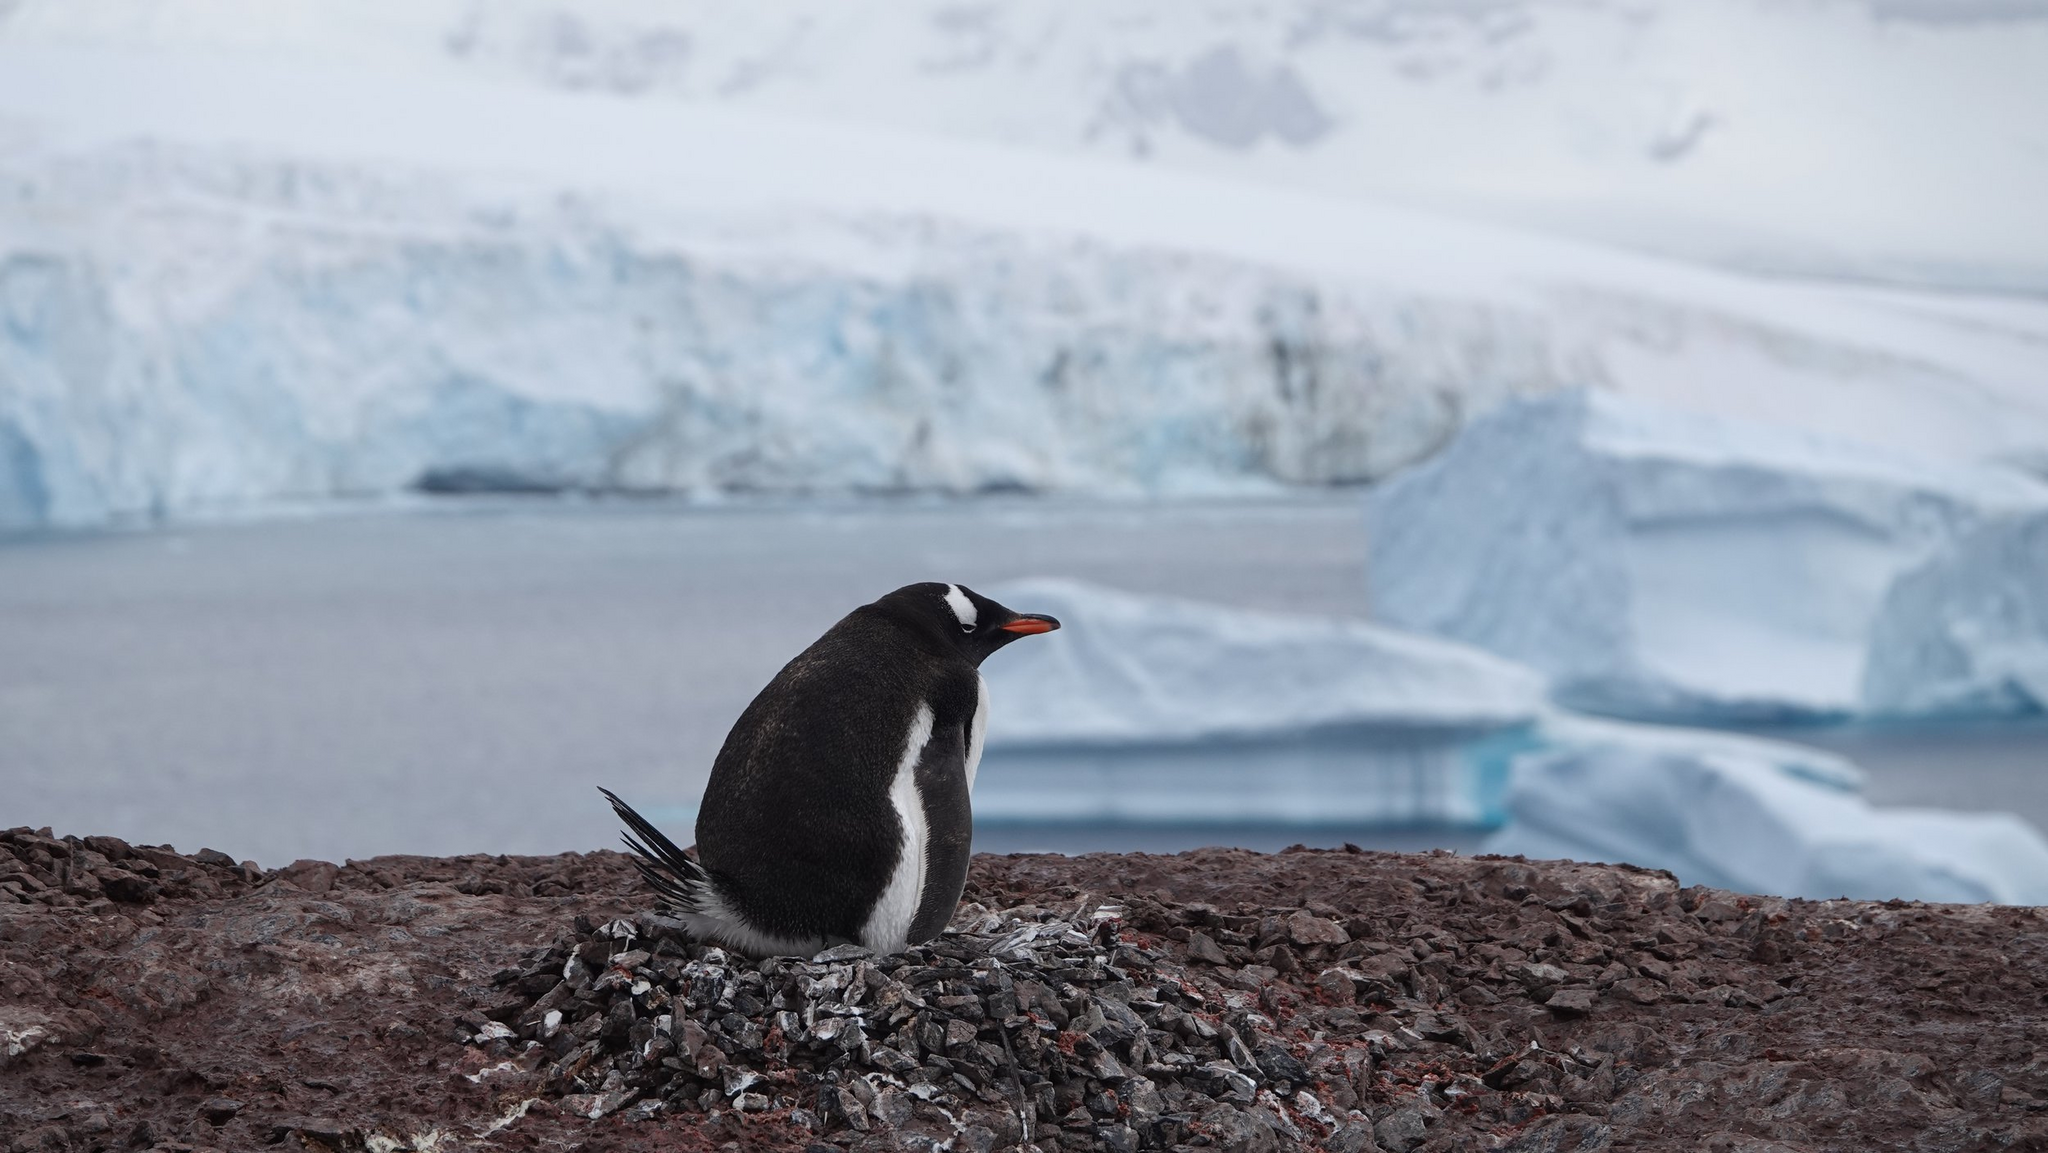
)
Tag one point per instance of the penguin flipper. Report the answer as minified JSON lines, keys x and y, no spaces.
{"x":942,"y":787}
{"x":679,"y":881}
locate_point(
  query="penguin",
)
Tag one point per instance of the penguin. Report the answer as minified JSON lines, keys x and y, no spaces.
{"x":837,"y":810}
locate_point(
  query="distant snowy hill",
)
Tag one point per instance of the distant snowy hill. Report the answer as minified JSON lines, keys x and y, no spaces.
{"x":1895,"y":140}
{"x":253,"y":253}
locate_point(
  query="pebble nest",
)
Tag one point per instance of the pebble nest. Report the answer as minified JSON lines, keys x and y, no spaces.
{"x":1012,"y":1023}
{"x":1033,"y":1026}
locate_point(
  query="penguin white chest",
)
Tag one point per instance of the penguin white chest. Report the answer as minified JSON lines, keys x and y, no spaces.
{"x":888,"y":927}
{"x":977,"y":729}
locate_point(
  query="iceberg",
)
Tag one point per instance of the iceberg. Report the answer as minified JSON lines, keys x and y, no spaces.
{"x":1754,"y":816}
{"x":1154,"y":710}
{"x":1659,"y":564}
{"x":1131,"y":668}
{"x":1146,"y":711}
{"x":1966,"y":632}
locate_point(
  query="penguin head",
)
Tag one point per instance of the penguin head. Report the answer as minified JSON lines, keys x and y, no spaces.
{"x":962,"y":621}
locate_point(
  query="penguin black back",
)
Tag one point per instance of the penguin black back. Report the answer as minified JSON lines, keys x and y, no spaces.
{"x":838,"y":808}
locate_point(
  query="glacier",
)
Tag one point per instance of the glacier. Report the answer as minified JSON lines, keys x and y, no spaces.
{"x":1965,"y":633}
{"x":276,"y":280}
{"x":1755,"y":816}
{"x":1663,"y":565}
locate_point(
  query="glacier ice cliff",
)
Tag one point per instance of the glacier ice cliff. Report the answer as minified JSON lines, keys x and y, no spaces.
{"x":235,"y":292}
{"x":182,"y":357}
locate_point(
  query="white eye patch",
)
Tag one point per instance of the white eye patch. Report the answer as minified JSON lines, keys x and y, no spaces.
{"x":963,"y":609}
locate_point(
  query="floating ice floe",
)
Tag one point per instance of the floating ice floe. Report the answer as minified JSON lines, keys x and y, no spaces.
{"x":1665,"y":565}
{"x":1162,"y":711}
{"x":1133,"y":668}
{"x":1148,"y":711}
{"x":1755,"y":816}
{"x":1966,"y":633}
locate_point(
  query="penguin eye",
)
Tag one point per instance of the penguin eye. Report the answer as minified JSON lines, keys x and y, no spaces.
{"x":966,"y":628}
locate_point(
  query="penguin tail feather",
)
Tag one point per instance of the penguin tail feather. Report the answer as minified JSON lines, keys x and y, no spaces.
{"x":679,"y":881}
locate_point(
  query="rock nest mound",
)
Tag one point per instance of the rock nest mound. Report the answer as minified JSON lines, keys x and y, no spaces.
{"x":1012,"y":1024}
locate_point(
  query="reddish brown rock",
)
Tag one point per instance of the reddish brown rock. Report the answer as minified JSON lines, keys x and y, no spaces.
{"x":362,"y":1006}
{"x":1308,"y":929}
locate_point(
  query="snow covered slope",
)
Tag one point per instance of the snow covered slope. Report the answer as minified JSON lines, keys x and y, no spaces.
{"x":1876,"y":138}
{"x":1662,"y":565}
{"x":229,"y":276}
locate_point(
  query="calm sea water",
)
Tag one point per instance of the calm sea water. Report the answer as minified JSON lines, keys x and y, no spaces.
{"x":461,"y":677}
{"x":1947,"y":765}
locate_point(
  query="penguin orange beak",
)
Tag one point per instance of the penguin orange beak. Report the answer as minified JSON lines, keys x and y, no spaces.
{"x":1030,"y":623}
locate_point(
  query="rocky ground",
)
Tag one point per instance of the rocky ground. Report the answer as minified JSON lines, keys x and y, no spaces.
{"x":1218,"y":999}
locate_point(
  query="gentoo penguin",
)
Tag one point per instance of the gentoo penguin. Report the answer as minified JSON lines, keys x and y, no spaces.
{"x":837,"y":811}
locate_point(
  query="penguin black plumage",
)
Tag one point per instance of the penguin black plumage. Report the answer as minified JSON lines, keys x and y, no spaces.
{"x":837,"y":810}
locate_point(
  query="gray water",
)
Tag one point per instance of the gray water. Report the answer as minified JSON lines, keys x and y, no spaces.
{"x":459,"y":677}
{"x":1944,"y":765}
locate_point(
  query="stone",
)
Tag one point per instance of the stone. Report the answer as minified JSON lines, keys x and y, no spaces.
{"x":50,"y":1138}
{"x":892,"y":1061}
{"x":219,"y":1110}
{"x":1534,"y":976}
{"x":839,"y":1105}
{"x":1237,"y":1132}
{"x":959,"y":1035}
{"x":1575,"y":1001}
{"x":112,"y":848}
{"x":125,"y":887}
{"x":1307,"y":929}
{"x":1403,"y":1129}
{"x":842,"y":953}
{"x":1338,"y":986}
{"x":1280,"y":1066}
{"x":1355,"y":1137}
{"x":1641,"y":990}
{"x":1202,"y":947}
{"x":1561,"y":1134}
{"x":844,"y":1033}
{"x":316,"y":877}
{"x":1717,"y":911}
{"x":1230,"y":1082}
{"x":893,"y":1108}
